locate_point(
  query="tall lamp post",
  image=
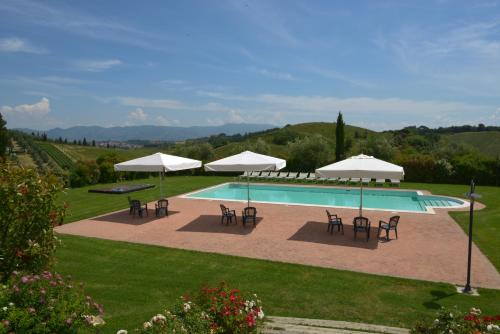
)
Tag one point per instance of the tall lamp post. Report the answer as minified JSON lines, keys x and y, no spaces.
{"x":472,"y":196}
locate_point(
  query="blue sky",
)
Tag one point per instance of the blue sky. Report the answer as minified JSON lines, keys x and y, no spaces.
{"x":385,"y":64}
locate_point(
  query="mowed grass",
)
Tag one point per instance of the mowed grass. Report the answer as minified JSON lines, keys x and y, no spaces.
{"x":83,"y":204}
{"x":85,"y":153}
{"x":486,"y":230}
{"x":135,"y":282}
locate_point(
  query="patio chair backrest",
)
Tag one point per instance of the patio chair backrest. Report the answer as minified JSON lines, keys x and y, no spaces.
{"x":135,"y":203}
{"x":331,"y":216}
{"x":224,"y":209}
{"x":129,"y":200}
{"x":250,"y":211}
{"x":393,"y":221}
{"x":360,"y":222}
{"x":163,"y":203}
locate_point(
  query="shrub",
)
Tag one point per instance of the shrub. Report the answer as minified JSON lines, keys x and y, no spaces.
{"x":212,"y":310}
{"x":454,"y":321}
{"x":85,"y":173}
{"x":309,"y":153}
{"x":230,"y":310}
{"x":27,"y":215}
{"x":46,"y":303}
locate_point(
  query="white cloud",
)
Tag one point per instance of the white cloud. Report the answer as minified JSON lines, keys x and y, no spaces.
{"x":150,"y":103}
{"x":95,"y":65}
{"x":38,"y":108}
{"x":235,"y":117}
{"x":14,"y":44}
{"x":138,"y":115}
{"x":162,"y":120}
{"x":274,"y":75}
{"x":63,"y":17}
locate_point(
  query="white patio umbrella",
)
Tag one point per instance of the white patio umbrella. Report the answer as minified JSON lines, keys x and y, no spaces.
{"x":246,"y":162}
{"x":158,"y":162}
{"x":362,"y":166}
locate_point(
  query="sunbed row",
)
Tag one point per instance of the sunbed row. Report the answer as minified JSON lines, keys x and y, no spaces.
{"x":296,"y":176}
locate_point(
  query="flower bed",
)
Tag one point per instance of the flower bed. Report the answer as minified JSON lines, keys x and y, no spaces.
{"x":46,"y":303}
{"x":212,"y":310}
{"x":455,"y":322}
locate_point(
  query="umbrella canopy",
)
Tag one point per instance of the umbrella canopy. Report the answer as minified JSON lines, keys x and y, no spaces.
{"x":362,"y":166}
{"x":246,"y":162}
{"x":158,"y":162}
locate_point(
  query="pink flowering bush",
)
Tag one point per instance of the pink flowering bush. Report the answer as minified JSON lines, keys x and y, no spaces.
{"x":454,"y":321}
{"x":28,"y":212}
{"x":212,"y":310}
{"x":46,"y":303}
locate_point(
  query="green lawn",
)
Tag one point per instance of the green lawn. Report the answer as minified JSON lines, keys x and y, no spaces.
{"x":83,"y":204}
{"x":135,"y":282}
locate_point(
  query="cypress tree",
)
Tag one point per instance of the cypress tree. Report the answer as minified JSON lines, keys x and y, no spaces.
{"x":339,"y":138}
{"x":4,"y":138}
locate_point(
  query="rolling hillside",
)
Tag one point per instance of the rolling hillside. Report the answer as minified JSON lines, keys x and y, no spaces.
{"x":485,"y":142}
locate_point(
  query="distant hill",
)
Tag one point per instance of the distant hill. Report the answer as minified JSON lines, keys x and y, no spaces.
{"x":149,"y":132}
{"x":485,"y":142}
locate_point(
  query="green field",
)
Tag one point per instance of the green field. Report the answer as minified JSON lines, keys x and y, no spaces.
{"x":85,"y":153}
{"x":135,"y":282}
{"x":485,"y":142}
{"x":57,"y":155}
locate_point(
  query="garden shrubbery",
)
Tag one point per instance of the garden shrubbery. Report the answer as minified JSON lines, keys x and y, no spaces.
{"x":46,"y":303}
{"x":212,"y":310}
{"x":456,"y":322}
{"x":27,"y":215}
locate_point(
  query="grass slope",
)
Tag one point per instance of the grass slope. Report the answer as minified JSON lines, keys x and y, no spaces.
{"x":84,"y":153}
{"x":485,"y":142}
{"x":135,"y":282}
{"x":83,"y":204}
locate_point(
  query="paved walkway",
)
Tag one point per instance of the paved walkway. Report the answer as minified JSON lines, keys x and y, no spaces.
{"x":430,"y":246}
{"x":284,"y":325}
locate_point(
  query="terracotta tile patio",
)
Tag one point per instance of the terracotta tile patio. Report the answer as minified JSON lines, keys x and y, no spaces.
{"x":430,"y":246}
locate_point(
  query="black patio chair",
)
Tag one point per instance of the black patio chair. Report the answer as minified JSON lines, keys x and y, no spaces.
{"x":228,"y":215}
{"x":361,"y":224}
{"x":392,"y":225}
{"x":334,"y":220}
{"x":249,"y":213}
{"x":139,"y":209}
{"x":130,"y":205}
{"x":161,"y":208}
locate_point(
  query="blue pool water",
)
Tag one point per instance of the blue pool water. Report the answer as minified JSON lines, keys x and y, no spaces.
{"x":324,"y":196}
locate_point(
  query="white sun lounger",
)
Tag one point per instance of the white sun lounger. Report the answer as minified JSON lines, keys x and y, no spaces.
{"x":282,"y":175}
{"x":302,"y":176}
{"x":395,"y":182}
{"x":272,"y":175}
{"x":366,"y":180}
{"x":355,"y":180}
{"x":380,"y":182}
{"x":312,"y":177}
{"x":264,"y":175}
{"x":254,"y":175}
{"x":292,"y":176}
{"x":343,"y":180}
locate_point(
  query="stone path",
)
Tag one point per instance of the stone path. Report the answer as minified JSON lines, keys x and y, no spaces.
{"x":284,"y":325}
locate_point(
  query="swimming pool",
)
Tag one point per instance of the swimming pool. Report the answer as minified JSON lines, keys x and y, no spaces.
{"x":392,"y":200}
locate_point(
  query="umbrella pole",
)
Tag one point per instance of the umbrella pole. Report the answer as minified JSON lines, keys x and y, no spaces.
{"x":161,"y":185}
{"x":361,"y":200}
{"x":248,"y":191}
